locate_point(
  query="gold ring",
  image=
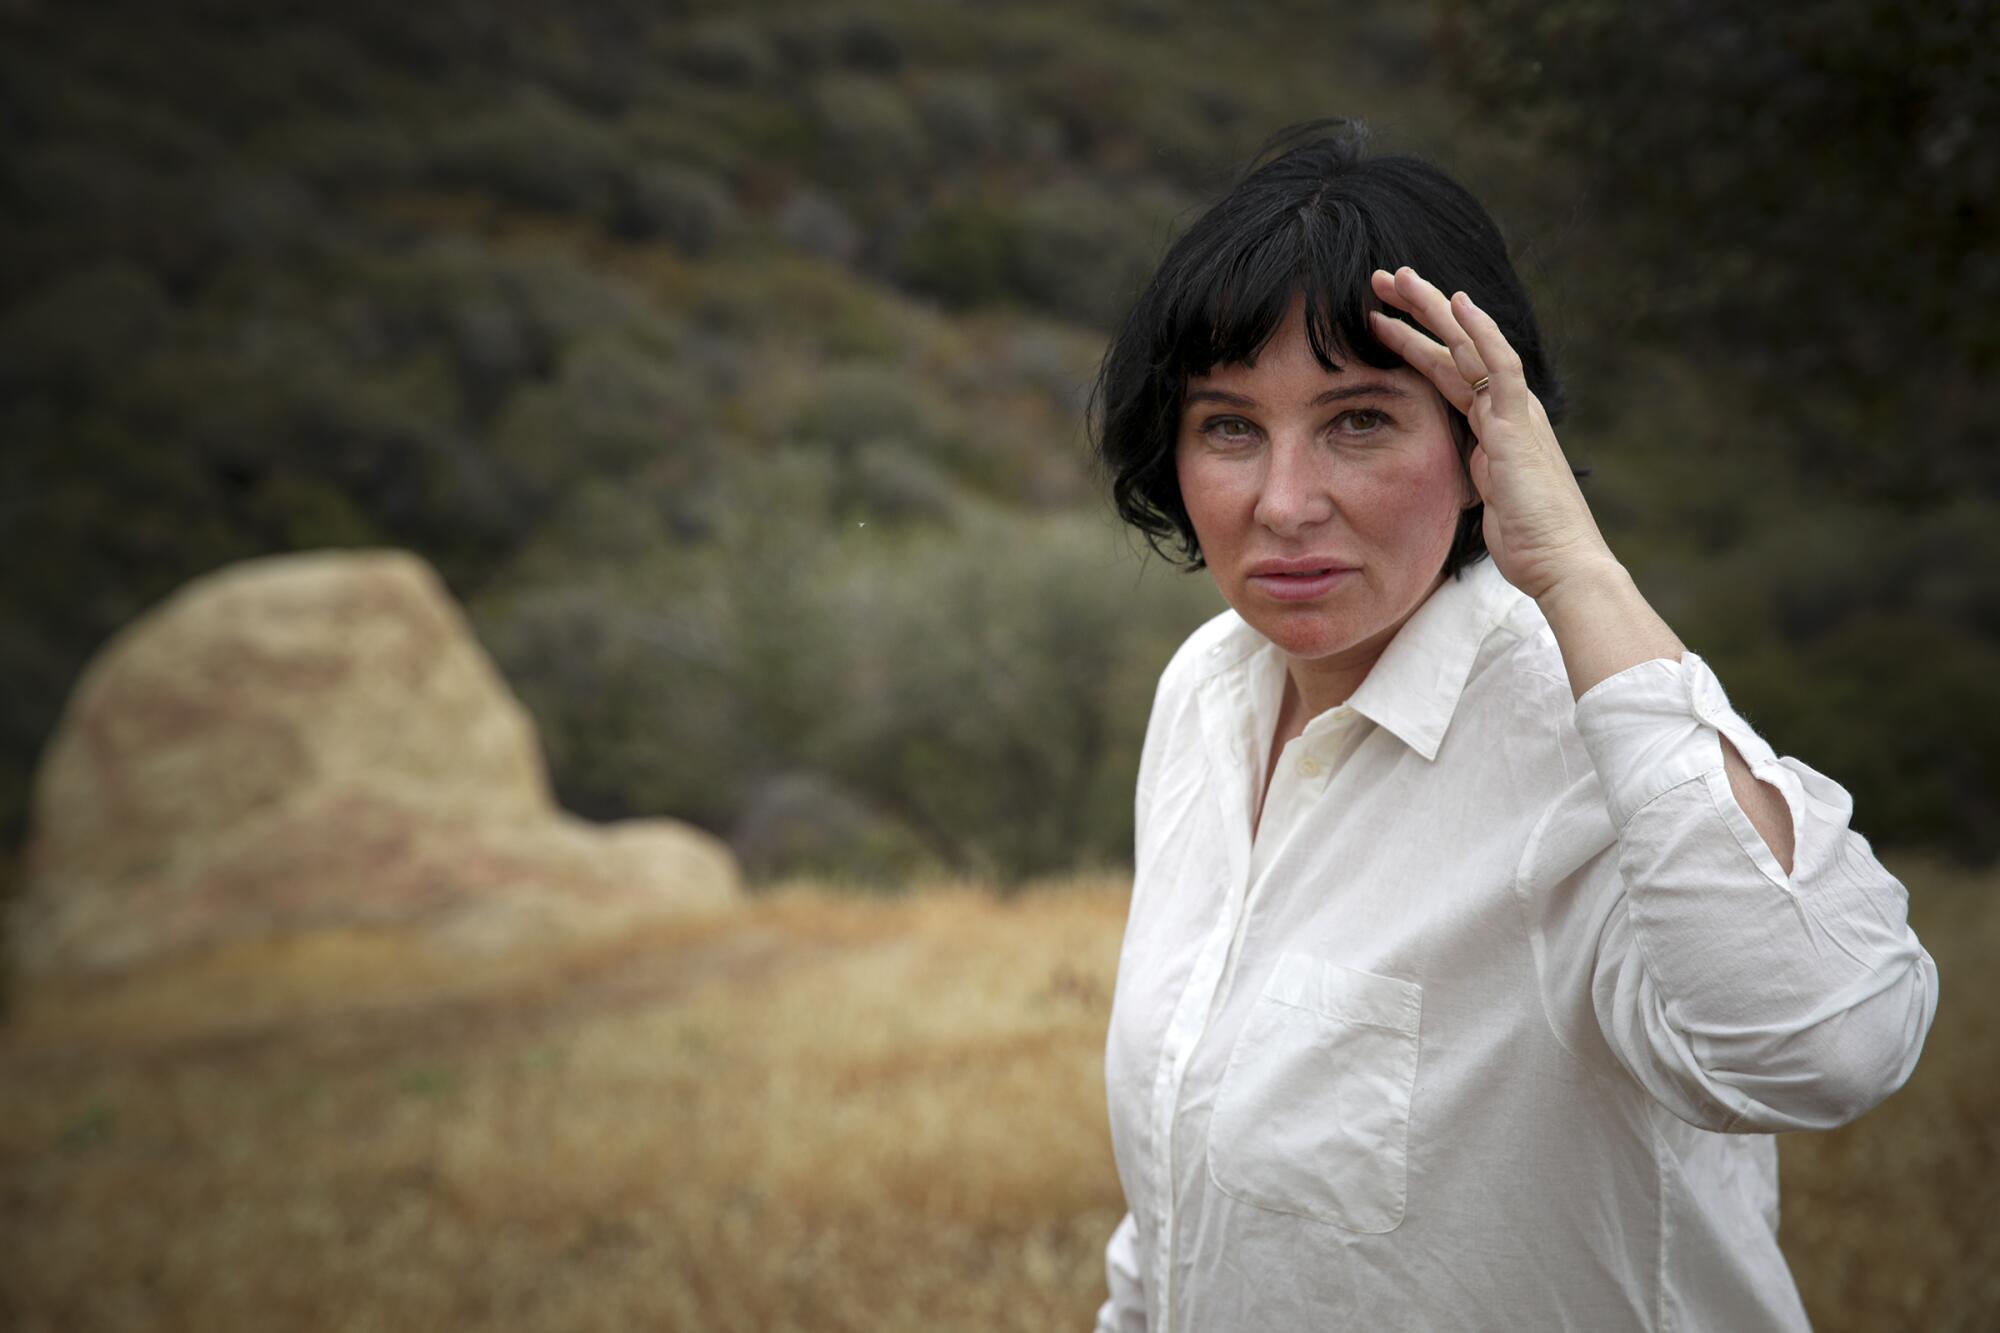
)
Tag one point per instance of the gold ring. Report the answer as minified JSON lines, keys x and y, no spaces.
{"x":1481,"y":383}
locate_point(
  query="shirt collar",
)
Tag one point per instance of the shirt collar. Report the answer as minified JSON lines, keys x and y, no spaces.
{"x":1414,"y":687}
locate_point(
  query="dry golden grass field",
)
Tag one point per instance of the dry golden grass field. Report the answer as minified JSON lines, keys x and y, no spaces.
{"x":814,"y":1111}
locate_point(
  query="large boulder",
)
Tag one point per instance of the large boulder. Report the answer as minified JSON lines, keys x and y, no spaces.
{"x":309,"y":740}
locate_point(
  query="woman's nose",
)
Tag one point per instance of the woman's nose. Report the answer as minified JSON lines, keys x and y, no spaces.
{"x":1296,"y":494}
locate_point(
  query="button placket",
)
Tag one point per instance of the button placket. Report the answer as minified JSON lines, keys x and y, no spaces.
{"x":1233,"y":751}
{"x":1184,"y":1031}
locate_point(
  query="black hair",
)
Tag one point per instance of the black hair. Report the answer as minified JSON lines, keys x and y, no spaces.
{"x":1316,"y":220}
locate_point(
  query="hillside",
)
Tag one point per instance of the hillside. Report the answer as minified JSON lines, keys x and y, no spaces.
{"x":729,"y":364}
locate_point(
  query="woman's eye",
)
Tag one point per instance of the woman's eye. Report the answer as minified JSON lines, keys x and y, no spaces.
{"x":1230,"y":430}
{"x":1363,"y":420}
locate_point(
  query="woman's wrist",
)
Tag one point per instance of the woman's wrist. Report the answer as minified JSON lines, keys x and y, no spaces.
{"x":1603,"y":624}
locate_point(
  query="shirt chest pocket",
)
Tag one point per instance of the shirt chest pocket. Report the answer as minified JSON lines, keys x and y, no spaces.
{"x":1312,"y":1116}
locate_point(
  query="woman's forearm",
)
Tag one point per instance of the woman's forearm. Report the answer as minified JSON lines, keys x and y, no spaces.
{"x":1604,"y":625}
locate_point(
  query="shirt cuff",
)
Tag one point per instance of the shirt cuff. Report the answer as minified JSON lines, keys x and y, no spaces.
{"x":1653,"y":726}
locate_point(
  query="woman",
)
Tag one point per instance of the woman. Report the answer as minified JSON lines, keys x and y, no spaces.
{"x":1477,"y":947}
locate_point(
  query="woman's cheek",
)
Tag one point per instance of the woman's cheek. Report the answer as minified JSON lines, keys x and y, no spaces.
{"x":1391,"y":500}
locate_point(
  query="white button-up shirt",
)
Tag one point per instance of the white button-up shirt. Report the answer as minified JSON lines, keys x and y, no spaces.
{"x":1490,"y":1022}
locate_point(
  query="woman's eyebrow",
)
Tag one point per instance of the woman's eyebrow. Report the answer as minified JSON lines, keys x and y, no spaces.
{"x":1219,"y":396}
{"x":1365,"y":389}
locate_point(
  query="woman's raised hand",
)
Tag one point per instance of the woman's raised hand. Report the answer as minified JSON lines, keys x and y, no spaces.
{"x":1537,"y":526}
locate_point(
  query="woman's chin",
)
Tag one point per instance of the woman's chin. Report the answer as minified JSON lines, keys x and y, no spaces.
{"x":1304,"y":635}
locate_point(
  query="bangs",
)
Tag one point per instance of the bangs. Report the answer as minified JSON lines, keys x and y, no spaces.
{"x":1234,"y":292}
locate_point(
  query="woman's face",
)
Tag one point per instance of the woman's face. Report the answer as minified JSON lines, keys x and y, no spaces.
{"x":1325,"y":502}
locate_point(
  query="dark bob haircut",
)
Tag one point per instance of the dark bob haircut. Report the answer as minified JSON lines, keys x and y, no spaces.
{"x":1317,"y":219}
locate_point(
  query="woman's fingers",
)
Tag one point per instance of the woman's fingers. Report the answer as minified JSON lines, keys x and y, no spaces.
{"x":1536,"y":522}
{"x":1408,"y":290}
{"x":1494,"y":351}
{"x":1424,"y":356}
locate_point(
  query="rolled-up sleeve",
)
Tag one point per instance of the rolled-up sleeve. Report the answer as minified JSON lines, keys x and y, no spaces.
{"x":1742,"y":997}
{"x":1124,"y":1310}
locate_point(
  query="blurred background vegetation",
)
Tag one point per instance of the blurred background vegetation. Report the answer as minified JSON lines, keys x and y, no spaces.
{"x":729,"y":362}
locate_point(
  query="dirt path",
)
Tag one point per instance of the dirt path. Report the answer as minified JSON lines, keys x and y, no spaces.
{"x":136,"y":1025}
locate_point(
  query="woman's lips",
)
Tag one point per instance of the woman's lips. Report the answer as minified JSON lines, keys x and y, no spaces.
{"x":1300,"y":587}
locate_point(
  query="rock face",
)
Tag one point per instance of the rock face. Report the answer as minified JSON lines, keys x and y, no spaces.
{"x":318,"y":739}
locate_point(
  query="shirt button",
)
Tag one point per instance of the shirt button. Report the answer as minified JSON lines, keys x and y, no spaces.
{"x":1308,"y":767}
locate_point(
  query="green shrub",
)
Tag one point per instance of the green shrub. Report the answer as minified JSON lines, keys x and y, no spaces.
{"x":605,"y":523}
{"x":87,"y":205}
{"x":671,"y":684}
{"x":885,"y":481}
{"x":535,"y":150}
{"x":966,"y":253}
{"x":725,"y":51}
{"x":1086,"y":248}
{"x":808,"y":220}
{"x":612,"y":409}
{"x":802,"y":823}
{"x":342,"y":152}
{"x":602,"y":676}
{"x":83,"y":331}
{"x":686,"y":208}
{"x":870,"y":131}
{"x":67,"y":105}
{"x":995,"y":684}
{"x":778,"y":297}
{"x":564,"y":299}
{"x":303,"y":513}
{"x":259,"y":216}
{"x":860,"y":402}
{"x":1077,"y":249}
{"x":968,"y":116}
